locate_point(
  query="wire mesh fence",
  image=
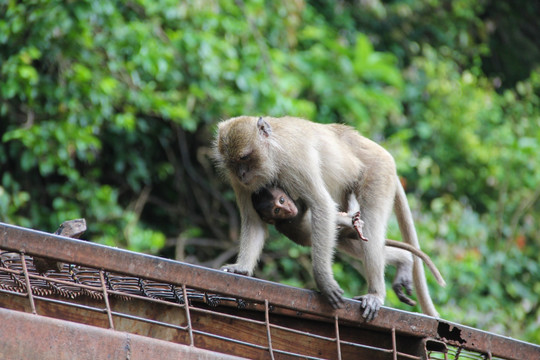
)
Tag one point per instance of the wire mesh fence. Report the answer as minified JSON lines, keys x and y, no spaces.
{"x":229,"y":315}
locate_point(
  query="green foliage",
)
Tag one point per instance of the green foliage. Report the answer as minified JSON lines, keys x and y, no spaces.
{"x":107,"y":110}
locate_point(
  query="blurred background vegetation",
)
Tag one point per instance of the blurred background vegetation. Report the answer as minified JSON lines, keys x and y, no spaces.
{"x":108,"y":109}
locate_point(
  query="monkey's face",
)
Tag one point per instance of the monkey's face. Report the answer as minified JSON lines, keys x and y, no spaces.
{"x":283,"y":206}
{"x":246,"y":168}
{"x":284,"y":210}
{"x":242,"y":152}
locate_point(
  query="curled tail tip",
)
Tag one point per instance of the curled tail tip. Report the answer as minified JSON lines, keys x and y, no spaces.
{"x":440,"y":280}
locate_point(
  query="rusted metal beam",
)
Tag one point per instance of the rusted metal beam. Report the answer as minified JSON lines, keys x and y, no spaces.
{"x":27,"y":336}
{"x":151,"y":267}
{"x":235,"y":331}
{"x":122,"y":261}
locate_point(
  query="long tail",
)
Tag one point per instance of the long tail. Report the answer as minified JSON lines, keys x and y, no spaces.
{"x":406,"y":226}
{"x":422,"y":255}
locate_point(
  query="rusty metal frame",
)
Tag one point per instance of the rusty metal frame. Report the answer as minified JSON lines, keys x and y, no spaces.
{"x":300,"y":301}
{"x":63,"y":340}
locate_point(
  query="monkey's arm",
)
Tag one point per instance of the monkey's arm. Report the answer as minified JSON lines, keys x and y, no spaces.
{"x":297,"y":229}
{"x":252,"y":235}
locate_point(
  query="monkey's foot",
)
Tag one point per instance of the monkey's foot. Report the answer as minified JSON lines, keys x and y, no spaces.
{"x":403,"y":284}
{"x":358,"y":224}
{"x":235,"y":269}
{"x":371,"y":305}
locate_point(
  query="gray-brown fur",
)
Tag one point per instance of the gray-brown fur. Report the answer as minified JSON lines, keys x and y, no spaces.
{"x":291,"y":219}
{"x":317,"y":164}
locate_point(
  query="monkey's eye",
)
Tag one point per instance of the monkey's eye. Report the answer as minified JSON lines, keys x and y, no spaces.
{"x":276,"y":211}
{"x":281,"y":200}
{"x":245,"y":157}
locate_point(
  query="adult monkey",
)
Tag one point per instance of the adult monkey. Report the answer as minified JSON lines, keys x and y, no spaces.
{"x":293,"y":220}
{"x":319,"y":164}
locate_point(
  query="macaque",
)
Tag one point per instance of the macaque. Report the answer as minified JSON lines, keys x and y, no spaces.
{"x":320,"y":165}
{"x":276,"y":207}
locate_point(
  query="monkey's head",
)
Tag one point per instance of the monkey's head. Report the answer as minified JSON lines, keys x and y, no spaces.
{"x":273,"y":204}
{"x":243,"y":148}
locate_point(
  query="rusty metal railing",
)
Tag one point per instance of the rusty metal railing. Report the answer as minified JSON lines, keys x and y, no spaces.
{"x":219,"y":311}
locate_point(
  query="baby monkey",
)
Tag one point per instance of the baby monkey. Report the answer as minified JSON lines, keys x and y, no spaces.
{"x":276,"y":207}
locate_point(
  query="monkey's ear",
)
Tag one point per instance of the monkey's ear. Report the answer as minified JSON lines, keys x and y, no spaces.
{"x":264,"y":128}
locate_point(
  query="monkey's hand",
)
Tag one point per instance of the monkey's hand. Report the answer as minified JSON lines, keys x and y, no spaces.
{"x":371,"y":305}
{"x":334,"y":294}
{"x":235,"y":269}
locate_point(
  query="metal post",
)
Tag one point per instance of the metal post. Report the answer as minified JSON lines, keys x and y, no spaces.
{"x":106,"y":298}
{"x":28,"y":286}
{"x":267,"y":321}
{"x":188,"y":316}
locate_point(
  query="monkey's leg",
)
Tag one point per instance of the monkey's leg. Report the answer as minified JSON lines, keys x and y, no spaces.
{"x":403,"y":279}
{"x":374,"y":265}
{"x":376,"y":201}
